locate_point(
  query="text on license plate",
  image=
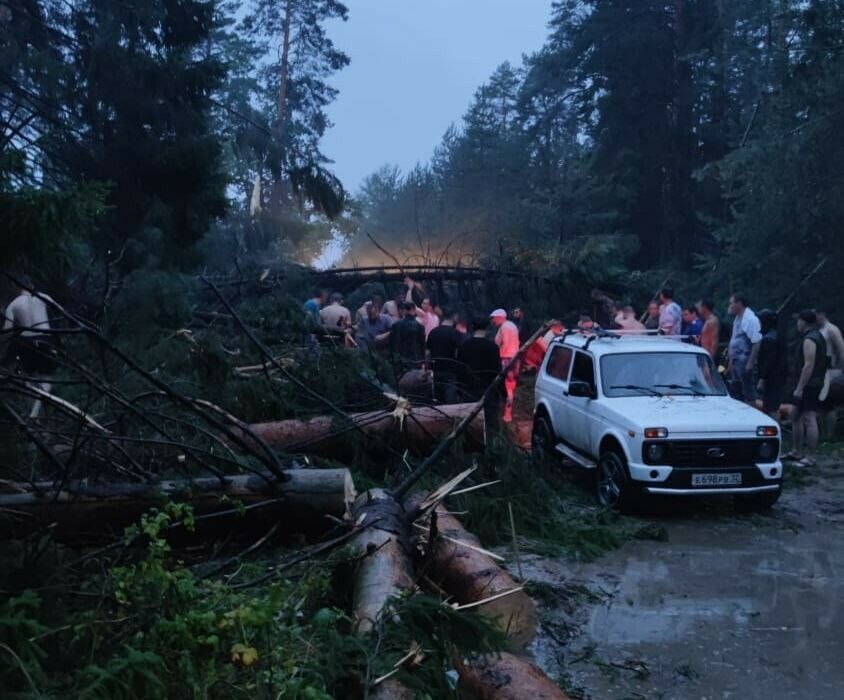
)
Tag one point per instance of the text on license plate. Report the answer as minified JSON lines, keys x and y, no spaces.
{"x":716,"y":479}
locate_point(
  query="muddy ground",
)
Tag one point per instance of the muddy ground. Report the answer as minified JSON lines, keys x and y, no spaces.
{"x":730,"y":606}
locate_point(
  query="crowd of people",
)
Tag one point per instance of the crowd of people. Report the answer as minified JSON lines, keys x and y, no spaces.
{"x":439,"y":350}
{"x":429,"y":344}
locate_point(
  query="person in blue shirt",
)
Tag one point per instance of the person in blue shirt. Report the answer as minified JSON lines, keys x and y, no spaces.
{"x":312,"y":321}
{"x":692,"y":324}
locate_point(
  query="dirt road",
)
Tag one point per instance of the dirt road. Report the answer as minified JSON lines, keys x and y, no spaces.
{"x":730,"y":606}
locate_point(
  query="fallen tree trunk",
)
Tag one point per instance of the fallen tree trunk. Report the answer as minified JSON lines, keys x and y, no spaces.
{"x":459,"y":565}
{"x":418,"y":429}
{"x":384,"y":569}
{"x":504,"y":676}
{"x":78,"y":508}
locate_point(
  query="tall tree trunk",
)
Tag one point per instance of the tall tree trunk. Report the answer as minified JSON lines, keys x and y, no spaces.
{"x":278,"y":194}
{"x":680,"y":220}
{"x":720,"y":96}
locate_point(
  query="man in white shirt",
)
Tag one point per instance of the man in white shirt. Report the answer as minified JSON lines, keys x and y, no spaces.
{"x":507,"y":340}
{"x":30,"y":346}
{"x":670,"y":314}
{"x":744,"y":349}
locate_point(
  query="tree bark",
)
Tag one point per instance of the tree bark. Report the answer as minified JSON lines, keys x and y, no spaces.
{"x":384,"y":569}
{"x":79,"y":509}
{"x":470,"y":576}
{"x":323,"y":435}
{"x":505,"y":677}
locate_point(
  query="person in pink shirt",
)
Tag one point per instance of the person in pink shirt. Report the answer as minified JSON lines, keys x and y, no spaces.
{"x":507,"y":340}
{"x":426,"y":316}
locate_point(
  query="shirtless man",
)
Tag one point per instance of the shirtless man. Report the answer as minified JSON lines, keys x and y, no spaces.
{"x":626,"y":320}
{"x":507,"y":340}
{"x":26,"y":315}
{"x":711,"y":331}
{"x":835,"y":364}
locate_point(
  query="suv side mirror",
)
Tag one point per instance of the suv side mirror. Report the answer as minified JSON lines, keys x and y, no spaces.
{"x":581,"y":389}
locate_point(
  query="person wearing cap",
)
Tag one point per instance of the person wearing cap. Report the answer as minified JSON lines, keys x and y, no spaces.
{"x":507,"y":340}
{"x":812,"y":361}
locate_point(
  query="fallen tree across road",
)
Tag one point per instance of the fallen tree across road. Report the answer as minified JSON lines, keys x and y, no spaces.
{"x":78,"y":508}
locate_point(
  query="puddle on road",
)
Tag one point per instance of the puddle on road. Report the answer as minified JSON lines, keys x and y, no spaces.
{"x":729,"y":607}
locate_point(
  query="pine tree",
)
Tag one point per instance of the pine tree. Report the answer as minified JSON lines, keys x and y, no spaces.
{"x":293,"y":92}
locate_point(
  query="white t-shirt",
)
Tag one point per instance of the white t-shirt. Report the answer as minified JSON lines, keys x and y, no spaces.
{"x":27,"y":312}
{"x":670,"y":318}
{"x":747,"y":331}
{"x":507,"y":340}
{"x":430,"y":320}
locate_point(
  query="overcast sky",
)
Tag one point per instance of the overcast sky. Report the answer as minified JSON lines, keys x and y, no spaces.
{"x":415,"y":66}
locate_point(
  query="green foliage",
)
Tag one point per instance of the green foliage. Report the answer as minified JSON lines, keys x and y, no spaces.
{"x":553,"y":515}
{"x":21,"y":655}
{"x":127,"y":675}
{"x":159,"y":631}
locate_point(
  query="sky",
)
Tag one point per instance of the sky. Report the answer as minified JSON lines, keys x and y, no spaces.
{"x":415,"y":65}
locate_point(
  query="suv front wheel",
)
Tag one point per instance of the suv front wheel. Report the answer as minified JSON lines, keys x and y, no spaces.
{"x":612,"y":485}
{"x":542,"y":439}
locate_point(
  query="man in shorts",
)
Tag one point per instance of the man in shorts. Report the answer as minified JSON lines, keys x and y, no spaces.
{"x":507,"y":340}
{"x":811,"y":361}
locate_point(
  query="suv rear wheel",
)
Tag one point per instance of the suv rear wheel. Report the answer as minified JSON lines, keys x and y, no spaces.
{"x":542,"y":439}
{"x":612,"y":485}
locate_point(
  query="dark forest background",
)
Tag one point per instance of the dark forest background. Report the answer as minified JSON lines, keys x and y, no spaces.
{"x":145,"y":144}
{"x":695,"y":140}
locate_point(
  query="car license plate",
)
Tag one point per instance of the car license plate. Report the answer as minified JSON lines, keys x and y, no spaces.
{"x":716,"y":479}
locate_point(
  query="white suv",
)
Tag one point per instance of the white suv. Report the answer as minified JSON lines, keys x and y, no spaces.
{"x":651,"y":415}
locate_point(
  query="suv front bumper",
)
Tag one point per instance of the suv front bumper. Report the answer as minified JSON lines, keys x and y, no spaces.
{"x":756,"y":478}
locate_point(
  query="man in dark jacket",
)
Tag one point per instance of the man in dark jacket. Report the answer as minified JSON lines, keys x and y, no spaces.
{"x":772,"y":364}
{"x":442,"y":343}
{"x":479,"y":363}
{"x":407,"y":341}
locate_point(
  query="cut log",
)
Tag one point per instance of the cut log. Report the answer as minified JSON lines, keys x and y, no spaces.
{"x":418,"y":430}
{"x":504,"y":676}
{"x":79,"y":508}
{"x":460,"y":567}
{"x":384,"y":569}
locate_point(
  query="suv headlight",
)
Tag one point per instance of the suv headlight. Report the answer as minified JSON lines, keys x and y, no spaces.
{"x":768,"y":450}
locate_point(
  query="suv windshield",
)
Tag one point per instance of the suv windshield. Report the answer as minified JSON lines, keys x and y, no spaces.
{"x":644,"y":373}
